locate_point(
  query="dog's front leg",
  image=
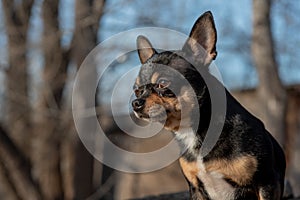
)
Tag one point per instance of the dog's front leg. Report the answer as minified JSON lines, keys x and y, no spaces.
{"x":198,"y":193}
{"x":196,"y":187}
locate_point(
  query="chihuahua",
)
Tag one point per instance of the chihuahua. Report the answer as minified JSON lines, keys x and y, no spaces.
{"x":172,"y":88}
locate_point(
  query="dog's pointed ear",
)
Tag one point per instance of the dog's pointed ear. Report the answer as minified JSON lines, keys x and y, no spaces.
{"x":145,"y":49}
{"x":201,"y":43}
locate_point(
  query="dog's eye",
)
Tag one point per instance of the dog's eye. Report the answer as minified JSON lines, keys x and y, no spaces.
{"x":163,"y":83}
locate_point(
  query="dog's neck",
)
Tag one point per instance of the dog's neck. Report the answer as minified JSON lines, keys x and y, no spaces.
{"x":191,"y":135}
{"x":205,"y":114}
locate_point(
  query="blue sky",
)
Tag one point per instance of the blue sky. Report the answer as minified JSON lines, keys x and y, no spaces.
{"x":233,"y":21}
{"x":234,"y":25}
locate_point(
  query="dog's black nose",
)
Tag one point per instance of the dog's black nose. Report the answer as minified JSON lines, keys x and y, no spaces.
{"x":138,"y":104}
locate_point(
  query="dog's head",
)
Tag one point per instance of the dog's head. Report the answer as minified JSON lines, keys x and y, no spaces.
{"x":163,"y":87}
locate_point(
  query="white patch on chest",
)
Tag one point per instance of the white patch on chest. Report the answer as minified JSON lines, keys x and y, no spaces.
{"x":214,"y":184}
{"x":187,"y":138}
{"x":216,"y":187}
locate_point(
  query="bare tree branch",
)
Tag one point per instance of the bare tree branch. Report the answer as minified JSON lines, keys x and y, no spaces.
{"x":14,"y":161}
{"x":104,"y":189}
{"x":47,"y":141}
{"x":7,"y":184}
{"x":18,"y":116}
{"x":88,"y":14}
{"x":16,"y":24}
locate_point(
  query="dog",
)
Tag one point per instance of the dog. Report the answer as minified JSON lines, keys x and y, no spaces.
{"x":246,"y":162}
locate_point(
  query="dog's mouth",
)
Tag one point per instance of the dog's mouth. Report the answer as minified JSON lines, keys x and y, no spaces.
{"x":161,"y":113}
{"x":156,"y":113}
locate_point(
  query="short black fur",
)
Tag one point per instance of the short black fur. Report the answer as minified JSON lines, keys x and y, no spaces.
{"x":242,"y":133}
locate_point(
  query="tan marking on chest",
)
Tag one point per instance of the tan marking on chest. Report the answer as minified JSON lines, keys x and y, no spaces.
{"x":190,"y":171}
{"x":173,"y":122}
{"x":239,"y":170}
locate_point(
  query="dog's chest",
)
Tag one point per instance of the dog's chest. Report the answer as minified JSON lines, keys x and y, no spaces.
{"x":213,"y":182}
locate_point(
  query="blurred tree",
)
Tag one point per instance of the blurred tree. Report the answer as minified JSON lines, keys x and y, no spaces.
{"x":272,"y":93}
{"x":17,"y":16}
{"x":41,"y":156}
{"x":293,"y":146}
{"x":47,"y":136}
{"x":18,"y":121}
{"x":270,"y":90}
{"x":85,"y":38}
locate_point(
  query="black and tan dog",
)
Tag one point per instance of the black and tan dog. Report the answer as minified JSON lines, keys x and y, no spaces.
{"x":246,"y":162}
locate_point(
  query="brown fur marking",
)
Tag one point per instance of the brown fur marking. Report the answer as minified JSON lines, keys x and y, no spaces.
{"x":240,"y":170}
{"x":173,"y":122}
{"x":190,"y":171}
{"x":154,"y":77}
{"x":261,"y":196}
{"x":173,"y":117}
{"x":151,"y":100}
{"x":138,"y":81}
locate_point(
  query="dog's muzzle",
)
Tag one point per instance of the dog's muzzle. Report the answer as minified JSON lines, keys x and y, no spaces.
{"x":138,"y":104}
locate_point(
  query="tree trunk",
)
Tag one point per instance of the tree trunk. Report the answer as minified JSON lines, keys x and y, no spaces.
{"x":7,"y":188}
{"x":271,"y":92}
{"x":18,"y":106}
{"x":88,"y":14}
{"x":293,"y":172}
{"x":47,"y":140}
{"x":58,"y":157}
{"x":14,"y":153}
{"x":16,"y":168}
